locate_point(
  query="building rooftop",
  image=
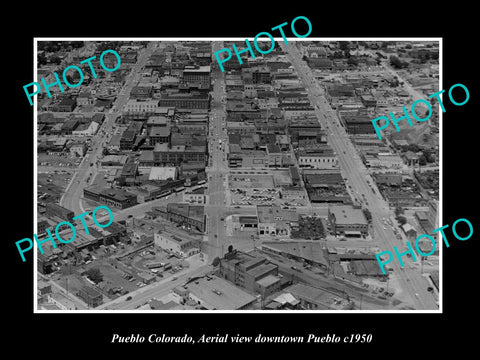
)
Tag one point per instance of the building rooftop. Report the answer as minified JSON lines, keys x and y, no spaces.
{"x":219,"y":294}
{"x":311,"y":251}
{"x":268,"y":280}
{"x":325,"y":300}
{"x":162,"y":173}
{"x":347,"y":215}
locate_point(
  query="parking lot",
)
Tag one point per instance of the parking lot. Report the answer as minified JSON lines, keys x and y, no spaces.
{"x":52,"y":184}
{"x":58,"y":160}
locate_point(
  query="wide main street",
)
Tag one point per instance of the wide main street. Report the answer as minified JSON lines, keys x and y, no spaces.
{"x":218,"y":169}
{"x":74,"y":192}
{"x":353,"y":169}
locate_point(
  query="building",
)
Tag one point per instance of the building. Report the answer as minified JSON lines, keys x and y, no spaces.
{"x":159,"y":134}
{"x":197,"y":196}
{"x":247,"y":271}
{"x":91,"y":296}
{"x":319,"y":157}
{"x":140,"y":107}
{"x":191,"y":215}
{"x":198,"y":74}
{"x":61,"y":301}
{"x":275,"y":221}
{"x":182,"y":246}
{"x":192,"y":100}
{"x":78,"y":149}
{"x":347,"y":220}
{"x":312,"y":298}
{"x":146,"y":278}
{"x":310,"y":252}
{"x":87,"y":129}
{"x":52,"y":210}
{"x":177,"y":154}
{"x":118,"y":198}
{"x":214,"y":293}
{"x":163,"y":173}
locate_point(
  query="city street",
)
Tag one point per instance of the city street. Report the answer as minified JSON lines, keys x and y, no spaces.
{"x":356,"y":173}
{"x":73,"y":196}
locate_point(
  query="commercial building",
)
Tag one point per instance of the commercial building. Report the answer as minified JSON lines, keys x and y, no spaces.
{"x":193,"y":100}
{"x":319,"y":157}
{"x":311,"y":253}
{"x":91,"y":296}
{"x":52,"y":210}
{"x":347,"y":220}
{"x":312,"y":298}
{"x":247,"y":271}
{"x":198,"y":74}
{"x":214,"y":293}
{"x":273,"y":220}
{"x":164,"y":155}
{"x":183,"y":246}
{"x":197,"y":196}
{"x":118,"y":198}
{"x":61,"y":301}
{"x":192,"y":215}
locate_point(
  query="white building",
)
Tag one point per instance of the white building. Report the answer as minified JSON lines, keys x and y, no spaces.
{"x":181,"y":246}
{"x":86,"y":130}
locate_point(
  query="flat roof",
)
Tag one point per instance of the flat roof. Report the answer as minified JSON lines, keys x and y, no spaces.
{"x":268,"y":280}
{"x":345,"y":215}
{"x":219,"y":294}
{"x":311,"y":251}
{"x":162,"y":173}
{"x":316,"y":295}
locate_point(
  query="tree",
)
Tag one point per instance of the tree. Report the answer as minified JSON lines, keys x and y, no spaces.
{"x":402,"y":220}
{"x":352,"y":61}
{"x":344,"y":45}
{"x":95,"y":275}
{"x":396,"y":62}
{"x":422,"y":160}
{"x":216,"y":261}
{"x":398,"y":210}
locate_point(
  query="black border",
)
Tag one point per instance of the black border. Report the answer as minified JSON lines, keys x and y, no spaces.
{"x":430,"y":332}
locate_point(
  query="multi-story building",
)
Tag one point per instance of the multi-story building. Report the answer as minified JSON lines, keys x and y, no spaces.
{"x":163,"y":154}
{"x":253,"y":273}
{"x":182,"y":246}
{"x":192,"y":215}
{"x":319,"y":157}
{"x":347,"y":220}
{"x":193,"y":100}
{"x":159,"y":134}
{"x":92,"y":297}
{"x":118,"y":198}
{"x":199,"y":74}
{"x":52,"y":209}
{"x":140,"y":109}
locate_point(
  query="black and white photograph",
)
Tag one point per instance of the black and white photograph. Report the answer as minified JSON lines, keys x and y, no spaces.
{"x":219,"y":180}
{"x":238,"y":175}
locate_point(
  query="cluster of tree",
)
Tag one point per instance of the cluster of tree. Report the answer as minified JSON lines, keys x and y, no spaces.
{"x":402,"y":220}
{"x":396,"y":62}
{"x":95,"y":275}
